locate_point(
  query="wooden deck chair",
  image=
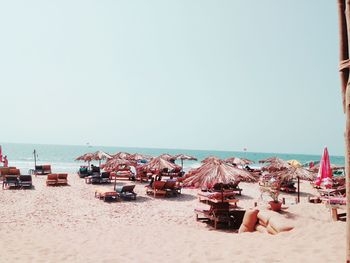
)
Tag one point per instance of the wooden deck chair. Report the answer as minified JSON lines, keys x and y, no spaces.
{"x":52,"y":179}
{"x":127,"y":191}
{"x":25,"y":181}
{"x":106,"y":194}
{"x":10,"y":181}
{"x":62,"y":179}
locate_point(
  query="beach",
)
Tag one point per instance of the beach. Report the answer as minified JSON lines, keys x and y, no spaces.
{"x":68,"y":224}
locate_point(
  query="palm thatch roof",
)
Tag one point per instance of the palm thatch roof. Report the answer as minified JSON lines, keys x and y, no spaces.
{"x":238,"y":161}
{"x":214,"y":172}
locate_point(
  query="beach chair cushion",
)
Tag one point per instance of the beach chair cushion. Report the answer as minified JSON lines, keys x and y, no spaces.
{"x":14,"y":172}
{"x":249,"y":221}
{"x":280,"y":224}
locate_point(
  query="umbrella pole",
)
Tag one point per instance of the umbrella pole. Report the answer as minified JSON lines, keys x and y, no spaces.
{"x":298,"y":190}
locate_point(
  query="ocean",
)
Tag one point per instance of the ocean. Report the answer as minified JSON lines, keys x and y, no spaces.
{"x":62,"y":157}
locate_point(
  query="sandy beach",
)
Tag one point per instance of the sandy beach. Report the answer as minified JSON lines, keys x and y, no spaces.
{"x":68,"y":224}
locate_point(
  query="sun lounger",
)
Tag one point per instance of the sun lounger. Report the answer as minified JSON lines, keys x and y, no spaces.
{"x":218,"y":214}
{"x":156,"y":189}
{"x":106,"y":194}
{"x":25,"y":181}
{"x":52,"y":179}
{"x":10,"y":181}
{"x":171,"y":188}
{"x":127,"y":191}
{"x":42,"y":169}
{"x":83,"y":172}
{"x":62,"y":179}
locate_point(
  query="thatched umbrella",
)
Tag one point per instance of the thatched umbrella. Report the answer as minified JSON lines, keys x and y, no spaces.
{"x":121,"y":155}
{"x":183,"y":157}
{"x":274,"y":164}
{"x":87,"y":157}
{"x":100,"y":155}
{"x":211,"y":159}
{"x":284,"y":171}
{"x":158,"y":164}
{"x":238,"y":161}
{"x":139,"y":157}
{"x":214,"y":172}
{"x":113,"y":164}
{"x":168,"y":157}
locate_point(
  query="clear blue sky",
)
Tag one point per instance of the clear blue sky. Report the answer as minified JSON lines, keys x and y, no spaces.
{"x":219,"y":75}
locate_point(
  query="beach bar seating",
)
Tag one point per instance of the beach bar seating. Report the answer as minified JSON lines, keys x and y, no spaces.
{"x":127,"y":192}
{"x":106,"y":194}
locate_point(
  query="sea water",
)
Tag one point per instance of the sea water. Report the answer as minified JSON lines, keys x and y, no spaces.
{"x":62,"y":157}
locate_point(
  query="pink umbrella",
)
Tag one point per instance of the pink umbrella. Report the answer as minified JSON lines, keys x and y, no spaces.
{"x":325,"y":174}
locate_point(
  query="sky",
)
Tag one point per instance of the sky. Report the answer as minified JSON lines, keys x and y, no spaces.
{"x":187,"y":74}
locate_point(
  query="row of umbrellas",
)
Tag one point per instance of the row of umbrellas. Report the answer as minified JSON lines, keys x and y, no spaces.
{"x":212,"y":171}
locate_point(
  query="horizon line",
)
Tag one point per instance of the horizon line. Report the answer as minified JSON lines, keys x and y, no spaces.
{"x":208,"y":150}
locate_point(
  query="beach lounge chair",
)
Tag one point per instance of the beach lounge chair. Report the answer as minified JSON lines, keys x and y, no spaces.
{"x":171,"y":188}
{"x":156,"y":189}
{"x":83,"y":172}
{"x":42,"y":169}
{"x":25,"y":181}
{"x":106,"y":194}
{"x":10,"y":181}
{"x":62,"y":179}
{"x":105,"y":177}
{"x":127,"y":191}
{"x":52,"y":179}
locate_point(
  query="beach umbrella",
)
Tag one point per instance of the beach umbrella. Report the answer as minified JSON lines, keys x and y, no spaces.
{"x":87,"y":157}
{"x":214,"y":172}
{"x":325,"y":174}
{"x":274,"y":164}
{"x":101,"y":155}
{"x":139,"y":157}
{"x":238,"y":161}
{"x":167,"y":157}
{"x":183,"y":157}
{"x":159,"y":164}
{"x":211,"y":159}
{"x":113,"y":164}
{"x":121,"y":155}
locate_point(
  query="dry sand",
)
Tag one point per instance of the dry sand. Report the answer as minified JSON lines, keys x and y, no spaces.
{"x":67,"y":224}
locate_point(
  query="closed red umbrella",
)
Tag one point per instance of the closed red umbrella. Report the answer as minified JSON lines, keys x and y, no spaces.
{"x":325,"y":174}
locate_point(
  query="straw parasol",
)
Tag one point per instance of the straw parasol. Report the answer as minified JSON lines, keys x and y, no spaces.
{"x":87,"y":157}
{"x":139,"y":157}
{"x":113,"y":164}
{"x":211,"y":159}
{"x":158,"y":164}
{"x":183,"y":157}
{"x":274,"y":164}
{"x":167,"y":156}
{"x":214,"y":172}
{"x":238,"y":161}
{"x":294,"y":163}
{"x":121,"y":155}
